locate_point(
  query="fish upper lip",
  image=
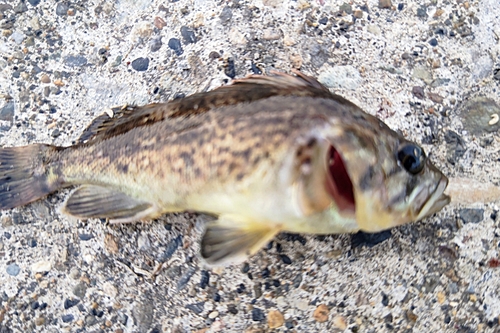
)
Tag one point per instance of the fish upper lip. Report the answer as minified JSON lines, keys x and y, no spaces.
{"x":436,"y":201}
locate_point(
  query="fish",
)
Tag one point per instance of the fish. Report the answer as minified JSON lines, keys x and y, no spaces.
{"x":263,"y":155}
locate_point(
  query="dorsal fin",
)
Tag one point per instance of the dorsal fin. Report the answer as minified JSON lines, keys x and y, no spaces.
{"x":249,"y":89}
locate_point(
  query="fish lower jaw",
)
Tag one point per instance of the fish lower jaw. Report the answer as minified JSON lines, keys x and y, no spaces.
{"x":436,"y":201}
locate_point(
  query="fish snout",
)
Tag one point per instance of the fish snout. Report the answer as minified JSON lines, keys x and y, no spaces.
{"x":431,"y":199}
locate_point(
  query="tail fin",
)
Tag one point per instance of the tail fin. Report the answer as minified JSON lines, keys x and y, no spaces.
{"x":27,"y":174}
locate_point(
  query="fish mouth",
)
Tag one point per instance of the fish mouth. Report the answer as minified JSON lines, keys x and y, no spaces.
{"x":436,"y":201}
{"x":338,"y":183}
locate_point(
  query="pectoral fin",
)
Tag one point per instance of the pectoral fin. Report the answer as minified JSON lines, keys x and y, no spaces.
{"x":93,"y":201}
{"x":231,"y":240}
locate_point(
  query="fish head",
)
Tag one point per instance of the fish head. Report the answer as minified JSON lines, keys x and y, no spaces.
{"x":375,"y":176}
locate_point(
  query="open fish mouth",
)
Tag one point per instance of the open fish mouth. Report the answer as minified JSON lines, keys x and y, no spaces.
{"x":338,"y":183}
{"x":436,"y":200}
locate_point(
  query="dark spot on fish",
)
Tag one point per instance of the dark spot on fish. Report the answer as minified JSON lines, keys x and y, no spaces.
{"x":240,"y":176}
{"x":220,"y":163}
{"x":363,"y":139}
{"x":207,"y":132}
{"x":201,"y":141}
{"x":271,"y":122}
{"x":256,"y":160}
{"x":187,"y":137}
{"x":311,"y":142}
{"x":243,"y":137}
{"x":366,"y":181}
{"x":245,"y":154}
{"x":396,"y":199}
{"x":300,"y":151}
{"x":197,"y":172}
{"x":232,"y":167}
{"x":188,"y":158}
{"x":122,"y":167}
{"x":358,"y":117}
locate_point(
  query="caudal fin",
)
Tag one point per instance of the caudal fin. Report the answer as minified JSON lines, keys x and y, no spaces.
{"x":27,"y":174}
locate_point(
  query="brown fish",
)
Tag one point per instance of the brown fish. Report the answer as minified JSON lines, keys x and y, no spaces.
{"x":265,"y":154}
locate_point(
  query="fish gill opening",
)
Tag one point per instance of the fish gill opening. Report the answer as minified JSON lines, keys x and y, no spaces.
{"x":338,"y":183}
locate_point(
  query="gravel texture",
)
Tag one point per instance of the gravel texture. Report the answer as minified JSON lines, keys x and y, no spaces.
{"x":429,"y":69}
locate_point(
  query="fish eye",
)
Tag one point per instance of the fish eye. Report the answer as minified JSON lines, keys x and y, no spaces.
{"x":412,"y":157}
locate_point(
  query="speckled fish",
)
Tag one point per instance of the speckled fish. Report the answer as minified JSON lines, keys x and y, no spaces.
{"x":265,"y":154}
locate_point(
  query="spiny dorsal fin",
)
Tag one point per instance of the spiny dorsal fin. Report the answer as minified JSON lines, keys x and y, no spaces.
{"x":124,"y":119}
{"x":249,"y":89}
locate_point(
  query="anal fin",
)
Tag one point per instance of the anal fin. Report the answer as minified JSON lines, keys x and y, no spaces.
{"x":231,"y":240}
{"x":93,"y":201}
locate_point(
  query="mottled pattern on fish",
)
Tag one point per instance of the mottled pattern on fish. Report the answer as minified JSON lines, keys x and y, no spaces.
{"x":214,"y":146}
{"x":266,"y":154}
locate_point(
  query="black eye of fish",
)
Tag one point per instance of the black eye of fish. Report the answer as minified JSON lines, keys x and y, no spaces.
{"x":412,"y":157}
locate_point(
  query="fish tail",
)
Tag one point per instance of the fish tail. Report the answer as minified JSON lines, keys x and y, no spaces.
{"x":27,"y":174}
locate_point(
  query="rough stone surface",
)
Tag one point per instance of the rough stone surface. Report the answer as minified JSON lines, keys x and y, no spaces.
{"x":478,"y":113}
{"x":471,"y":215}
{"x":437,"y":275}
{"x":140,"y":64}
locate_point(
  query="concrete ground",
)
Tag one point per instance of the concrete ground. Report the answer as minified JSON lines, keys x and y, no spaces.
{"x":429,"y":69}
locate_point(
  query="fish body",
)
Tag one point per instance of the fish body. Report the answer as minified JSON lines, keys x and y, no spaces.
{"x":265,"y":154}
